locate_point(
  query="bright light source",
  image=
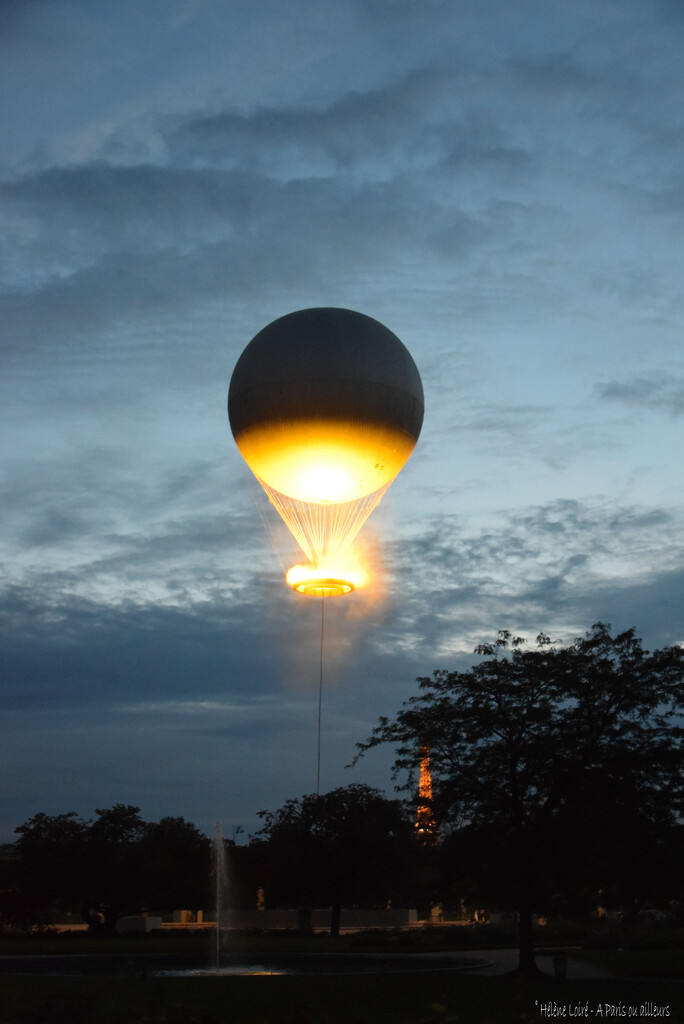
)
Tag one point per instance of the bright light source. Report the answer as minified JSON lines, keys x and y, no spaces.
{"x":323,"y":587}
{"x":324,"y":480}
{"x":325,"y":580}
{"x":324,"y":461}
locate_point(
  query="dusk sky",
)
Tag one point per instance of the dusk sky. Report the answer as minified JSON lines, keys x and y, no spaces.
{"x":502,"y":185}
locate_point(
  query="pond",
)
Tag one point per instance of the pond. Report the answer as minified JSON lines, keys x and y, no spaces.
{"x":115,"y":964}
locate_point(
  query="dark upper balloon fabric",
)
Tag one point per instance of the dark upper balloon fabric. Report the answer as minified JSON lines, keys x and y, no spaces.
{"x":325,"y":405}
{"x":326,"y":362}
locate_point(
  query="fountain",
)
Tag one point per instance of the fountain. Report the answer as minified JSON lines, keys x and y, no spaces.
{"x":294,"y":963}
{"x":221,"y":888}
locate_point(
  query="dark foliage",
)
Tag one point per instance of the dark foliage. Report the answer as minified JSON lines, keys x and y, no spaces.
{"x":102,"y":869}
{"x":351,"y":846}
{"x":556,"y":770}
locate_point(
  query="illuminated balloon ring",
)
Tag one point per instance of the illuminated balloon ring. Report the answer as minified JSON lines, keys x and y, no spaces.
{"x":319,"y":586}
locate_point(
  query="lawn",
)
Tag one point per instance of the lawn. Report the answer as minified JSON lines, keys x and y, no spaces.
{"x":417,"y":940}
{"x":639,"y":963}
{"x":440,"y":998}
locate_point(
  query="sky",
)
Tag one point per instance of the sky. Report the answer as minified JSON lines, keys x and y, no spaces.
{"x":502,"y":185}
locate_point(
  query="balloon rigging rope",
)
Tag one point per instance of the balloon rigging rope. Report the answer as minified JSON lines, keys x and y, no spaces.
{"x":267,"y":526}
{"x":321,"y":530}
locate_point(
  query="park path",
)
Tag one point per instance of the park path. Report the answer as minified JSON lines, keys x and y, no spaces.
{"x":504,"y":961}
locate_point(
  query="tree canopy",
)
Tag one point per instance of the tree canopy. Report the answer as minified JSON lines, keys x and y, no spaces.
{"x":347,"y":846}
{"x":105,"y":868}
{"x":533,"y":745}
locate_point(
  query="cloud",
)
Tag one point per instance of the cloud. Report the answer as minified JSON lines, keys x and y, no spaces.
{"x":371,"y":129}
{"x":181,"y":253}
{"x":67,"y":651}
{"x":558,"y":567}
{"x":499,"y":187}
{"x":155,"y":691}
{"x":554,"y":74}
{"x":421,"y":172}
{"x":656,"y":392}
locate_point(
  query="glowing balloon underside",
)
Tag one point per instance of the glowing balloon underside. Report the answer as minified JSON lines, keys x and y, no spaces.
{"x":323,"y":461}
{"x":324,"y":479}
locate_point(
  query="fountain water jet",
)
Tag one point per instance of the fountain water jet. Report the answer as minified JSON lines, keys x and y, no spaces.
{"x":220,"y":877}
{"x":221,"y":883}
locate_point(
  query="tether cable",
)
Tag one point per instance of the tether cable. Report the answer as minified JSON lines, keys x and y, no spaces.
{"x":320,"y":699}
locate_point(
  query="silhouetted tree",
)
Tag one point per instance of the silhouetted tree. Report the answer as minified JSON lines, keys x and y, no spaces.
{"x":113,"y":883}
{"x":530,"y":745}
{"x":47,"y":870}
{"x":175,"y":865}
{"x":351,"y":845}
{"x":114,"y":865}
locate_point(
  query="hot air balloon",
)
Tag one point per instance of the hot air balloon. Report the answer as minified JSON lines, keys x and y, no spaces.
{"x":325,"y":406}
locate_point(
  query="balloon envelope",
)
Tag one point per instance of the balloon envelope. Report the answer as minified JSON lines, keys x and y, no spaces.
{"x":325,"y":405}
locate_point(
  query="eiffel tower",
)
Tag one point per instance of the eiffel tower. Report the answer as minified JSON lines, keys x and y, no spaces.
{"x":426,"y":827}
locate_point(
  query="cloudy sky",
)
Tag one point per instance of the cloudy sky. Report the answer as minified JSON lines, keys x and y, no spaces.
{"x":499,"y":183}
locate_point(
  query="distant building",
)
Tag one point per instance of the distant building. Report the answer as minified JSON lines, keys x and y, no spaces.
{"x":426,"y":827}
